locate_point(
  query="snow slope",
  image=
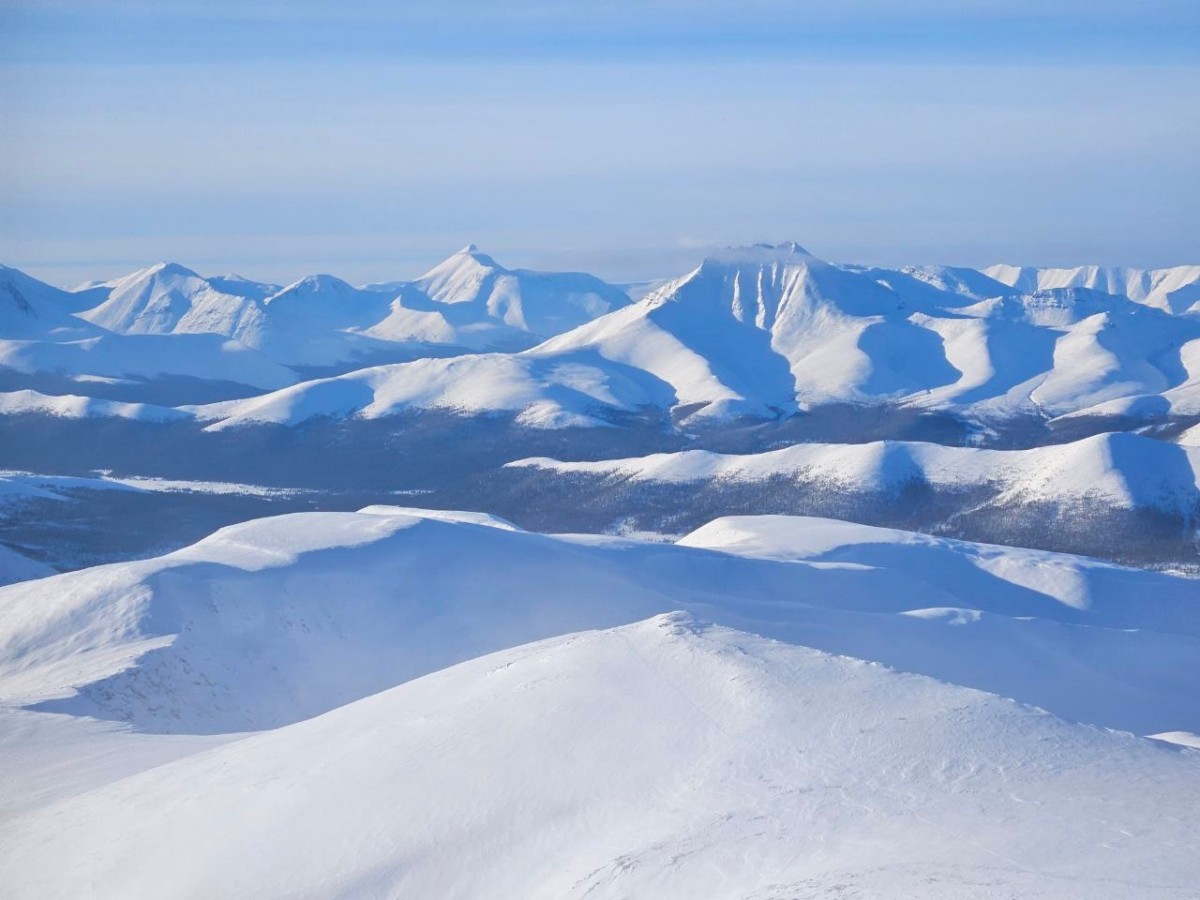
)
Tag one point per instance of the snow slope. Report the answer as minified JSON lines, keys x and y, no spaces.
{"x":1175,"y":290}
{"x":33,"y":309}
{"x":1121,"y":469}
{"x":75,"y":407}
{"x":665,"y":758}
{"x":206,"y":357}
{"x":167,"y":297}
{"x":544,"y":391}
{"x":279,"y":619}
{"x":659,"y":755}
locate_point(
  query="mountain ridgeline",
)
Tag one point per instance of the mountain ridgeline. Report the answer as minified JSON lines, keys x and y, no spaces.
{"x":441,"y":386}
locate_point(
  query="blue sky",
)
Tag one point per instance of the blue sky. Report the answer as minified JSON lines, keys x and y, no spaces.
{"x":371,"y":139}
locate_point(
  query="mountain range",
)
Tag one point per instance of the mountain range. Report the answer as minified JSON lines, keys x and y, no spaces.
{"x":763,"y":581}
{"x":1000,"y":396}
{"x":761,"y":332}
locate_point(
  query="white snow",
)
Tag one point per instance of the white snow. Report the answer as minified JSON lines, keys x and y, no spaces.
{"x":472,"y":301}
{"x":1121,"y":469}
{"x":666,"y":759}
{"x":1174,"y":289}
{"x":31,"y":309}
{"x":20,"y":485}
{"x":207,"y":357}
{"x":767,"y":330}
{"x":75,"y":407}
{"x":553,"y":392}
{"x":656,"y":756}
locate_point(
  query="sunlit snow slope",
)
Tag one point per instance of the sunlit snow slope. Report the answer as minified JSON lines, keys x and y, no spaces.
{"x":649,"y":745}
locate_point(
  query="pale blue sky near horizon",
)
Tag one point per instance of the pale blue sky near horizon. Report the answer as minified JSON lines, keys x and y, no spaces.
{"x":372,"y":139}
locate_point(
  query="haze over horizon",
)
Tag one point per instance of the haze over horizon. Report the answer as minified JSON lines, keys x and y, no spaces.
{"x":372,"y":142}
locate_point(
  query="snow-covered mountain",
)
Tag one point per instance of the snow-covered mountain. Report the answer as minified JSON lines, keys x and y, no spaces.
{"x":303,"y":324}
{"x":31,"y":309}
{"x":543,"y":391}
{"x":241,"y":631}
{"x":430,"y":703}
{"x":470,"y":300}
{"x":768,"y":331}
{"x":1174,"y":290}
{"x":167,"y":298}
{"x":762,"y":332}
{"x":467,"y":301}
{"x":391,"y":754}
{"x":758,"y":331}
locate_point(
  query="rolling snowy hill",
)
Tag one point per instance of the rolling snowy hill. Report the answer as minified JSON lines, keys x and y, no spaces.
{"x":649,"y":744}
{"x":1124,"y":470}
{"x":1118,"y":496}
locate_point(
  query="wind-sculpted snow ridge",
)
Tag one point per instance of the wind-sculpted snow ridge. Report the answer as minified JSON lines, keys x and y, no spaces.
{"x":280,"y":619}
{"x":645,"y":745}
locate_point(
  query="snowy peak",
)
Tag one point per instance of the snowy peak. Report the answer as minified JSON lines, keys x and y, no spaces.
{"x":323,"y":303}
{"x":165,"y":298}
{"x":314,"y":284}
{"x":471,"y":300}
{"x":461,"y":277}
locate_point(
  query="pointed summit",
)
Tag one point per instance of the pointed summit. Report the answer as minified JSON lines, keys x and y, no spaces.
{"x":461,"y":277}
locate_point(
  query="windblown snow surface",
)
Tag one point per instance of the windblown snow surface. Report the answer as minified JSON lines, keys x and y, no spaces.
{"x":405,"y":703}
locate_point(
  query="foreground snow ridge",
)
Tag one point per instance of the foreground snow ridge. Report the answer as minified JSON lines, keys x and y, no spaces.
{"x":660,"y":759}
{"x":399,"y":702}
